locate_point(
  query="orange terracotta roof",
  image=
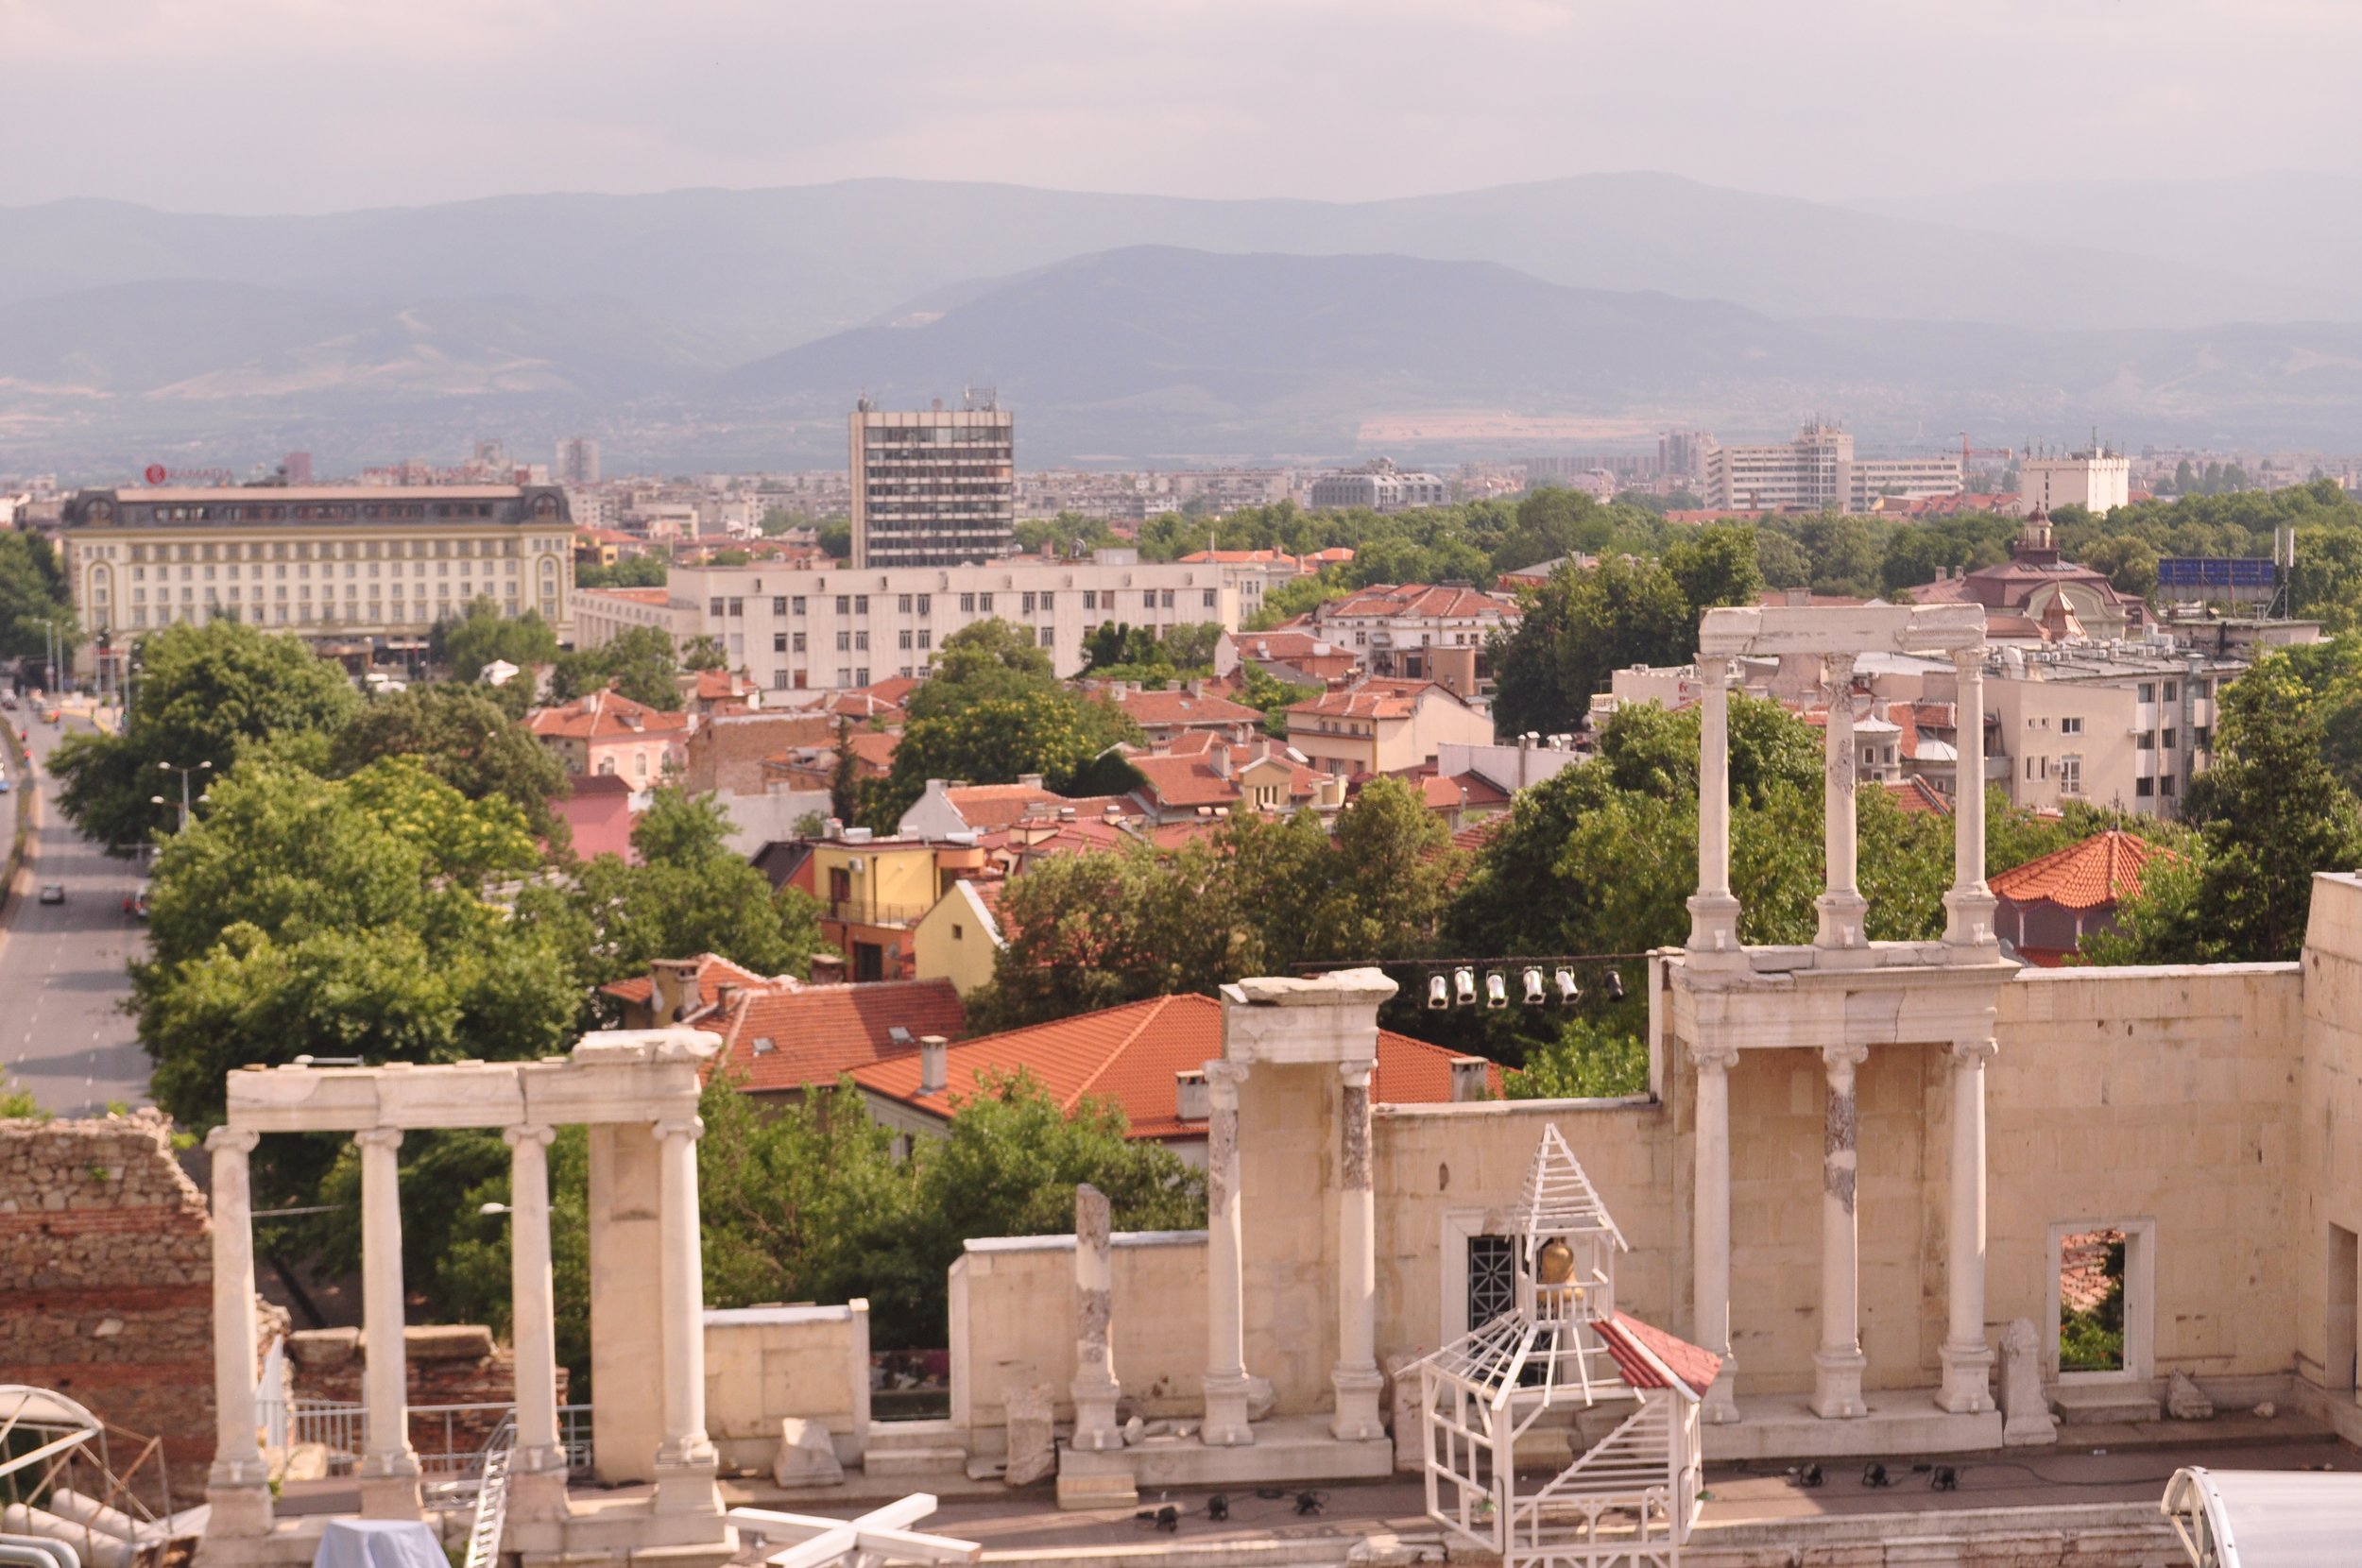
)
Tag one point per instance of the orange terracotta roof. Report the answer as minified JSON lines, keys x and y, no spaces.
{"x":874,"y":748}
{"x":1157,"y":708}
{"x":1386,"y":602}
{"x":1129,"y":1054}
{"x":1644,"y":1354}
{"x":2099,"y":872}
{"x":783,"y":1038}
{"x":609,"y":715}
{"x":1376,"y":698}
{"x":637,"y":595}
{"x":1916,"y":795}
{"x":986,"y":806}
{"x":1184,"y":782}
{"x":713,"y":971}
{"x":1477,"y":834}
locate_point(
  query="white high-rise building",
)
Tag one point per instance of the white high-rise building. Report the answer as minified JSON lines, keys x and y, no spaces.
{"x":2095,"y":479}
{"x":933,"y":487}
{"x":1818,"y":471}
{"x":577,"y":461}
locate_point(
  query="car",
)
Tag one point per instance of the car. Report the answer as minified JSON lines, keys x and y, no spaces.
{"x":52,"y":893}
{"x":135,"y":904}
{"x":4,"y":784}
{"x":48,"y":715}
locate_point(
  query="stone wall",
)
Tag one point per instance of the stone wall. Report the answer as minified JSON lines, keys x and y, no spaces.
{"x":105,"y":1253}
{"x":2326,"y":1199}
{"x":765,"y":1362}
{"x":447,"y":1364}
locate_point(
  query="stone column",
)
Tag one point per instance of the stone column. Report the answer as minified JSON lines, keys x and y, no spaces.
{"x":538,"y":1467}
{"x":1226,"y":1382}
{"x":1356,"y":1378}
{"x":1967,"y":1358}
{"x":1969,"y":907}
{"x":1095,"y":1389}
{"x":685,"y":1459}
{"x":1713,"y":913}
{"x":1838,"y":1364}
{"x":1710,"y":1219}
{"x":238,"y":1485}
{"x":1842,"y":907}
{"x":389,"y":1468}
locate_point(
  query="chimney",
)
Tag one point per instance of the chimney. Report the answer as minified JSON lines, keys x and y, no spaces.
{"x":935,"y":1063}
{"x":589,"y":703}
{"x":1191,"y":1099}
{"x":1799,"y":597}
{"x":827,"y":969}
{"x":1196,"y":689}
{"x":1030,"y":780}
{"x":1468,"y":1081}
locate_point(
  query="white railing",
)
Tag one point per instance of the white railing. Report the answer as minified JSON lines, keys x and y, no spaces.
{"x":449,"y":1438}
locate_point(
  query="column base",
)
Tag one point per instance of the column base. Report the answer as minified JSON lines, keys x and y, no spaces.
{"x":1721,"y":1405}
{"x":686,"y":1486}
{"x":1226,"y":1425}
{"x":537,"y":1497}
{"x":1095,"y":1429}
{"x":391,"y":1497}
{"x":1839,"y":936}
{"x":1836,"y":1385}
{"x":1357,"y":1418}
{"x":1968,"y":923}
{"x":241,"y":1509}
{"x":1967,"y":1379}
{"x":1714,"y":932}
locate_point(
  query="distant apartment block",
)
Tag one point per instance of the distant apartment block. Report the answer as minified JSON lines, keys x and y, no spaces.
{"x":2095,"y":479}
{"x":577,"y":461}
{"x":296,"y":469}
{"x":1818,"y":472}
{"x":794,"y":630}
{"x":933,"y":487}
{"x":1379,"y":485}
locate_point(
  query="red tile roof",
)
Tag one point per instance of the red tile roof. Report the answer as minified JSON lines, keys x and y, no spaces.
{"x":1917,"y":795}
{"x":873,"y":748}
{"x":1129,"y":1054}
{"x":1181,"y":781}
{"x":2098,"y":872}
{"x":601,"y":716}
{"x":779,"y":1038}
{"x":637,"y":595}
{"x":988,"y":807}
{"x":1156,"y":710}
{"x":1388,"y":601}
{"x":713,"y":971}
{"x":1375,"y":698}
{"x":1644,"y":1353}
{"x":1475,"y":835}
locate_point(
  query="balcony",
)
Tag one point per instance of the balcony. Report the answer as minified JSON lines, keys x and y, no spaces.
{"x":861,"y":912}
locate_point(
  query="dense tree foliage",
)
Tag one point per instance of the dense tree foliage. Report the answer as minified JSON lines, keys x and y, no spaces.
{"x":33,"y":590}
{"x":474,"y":638}
{"x":630,"y":571}
{"x":641,"y":663}
{"x":463,"y":735}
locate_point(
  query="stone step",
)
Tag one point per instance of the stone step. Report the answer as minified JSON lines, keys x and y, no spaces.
{"x":916,"y":1461}
{"x":890,"y":1435}
{"x":2096,"y":1404}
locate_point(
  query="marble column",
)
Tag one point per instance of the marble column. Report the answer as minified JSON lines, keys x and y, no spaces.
{"x":1967,"y":1358}
{"x":1969,"y":907}
{"x":1713,"y":913}
{"x":1841,"y":905}
{"x":685,"y":1458}
{"x":1095,"y":1389}
{"x":389,"y":1469}
{"x":1838,"y":1364}
{"x":538,"y":1467}
{"x":238,"y":1485}
{"x":1710,"y":1221}
{"x":1226,"y":1382}
{"x":1356,"y":1378}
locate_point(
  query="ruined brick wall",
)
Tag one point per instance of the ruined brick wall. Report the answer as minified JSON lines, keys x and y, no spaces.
{"x":446,"y":1364}
{"x":726,"y":751}
{"x":105,"y":1281}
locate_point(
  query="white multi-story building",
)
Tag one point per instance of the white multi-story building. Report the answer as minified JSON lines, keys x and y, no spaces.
{"x":577,"y":461}
{"x":1818,"y":471}
{"x":340,"y":564}
{"x":935,"y":487}
{"x":2098,"y":480}
{"x":1380,"y":486}
{"x":792,"y":630}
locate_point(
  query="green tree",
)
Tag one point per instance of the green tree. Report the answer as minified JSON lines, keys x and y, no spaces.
{"x":997,"y":741}
{"x":1585,"y":1060}
{"x":33,"y":590}
{"x":207,"y":696}
{"x":982,"y":661}
{"x":462,"y":735}
{"x":1578,"y":627}
{"x":480,"y":634}
{"x":1716,"y":566}
{"x":705,"y":652}
{"x":630,"y":571}
{"x":641,"y":663}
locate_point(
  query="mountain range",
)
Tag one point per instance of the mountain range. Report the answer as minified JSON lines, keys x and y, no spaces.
{"x":712,"y":326}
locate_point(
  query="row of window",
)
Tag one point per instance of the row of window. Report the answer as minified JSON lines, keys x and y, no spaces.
{"x":2070,"y":776}
{"x":1030,"y":603}
{"x":352,"y":591}
{"x":303,"y":569}
{"x":306,"y":550}
{"x":278,"y":614}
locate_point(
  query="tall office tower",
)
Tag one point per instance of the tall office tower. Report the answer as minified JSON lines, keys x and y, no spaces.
{"x":297,"y":469}
{"x":577,"y":461}
{"x":934,"y":487}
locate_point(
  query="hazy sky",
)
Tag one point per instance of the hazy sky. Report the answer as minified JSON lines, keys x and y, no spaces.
{"x":257,"y":106}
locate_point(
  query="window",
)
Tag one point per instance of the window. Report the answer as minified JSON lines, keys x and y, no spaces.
{"x":861,"y":640}
{"x":906,"y":638}
{"x":799,"y":603}
{"x":2171,"y":737}
{"x":1090,"y":599}
{"x":2070,"y":726}
{"x":2164,"y":786}
{"x":1168,"y":598}
{"x":1492,"y":1278}
{"x":1209,"y":599}
{"x":861,"y":677}
{"x":2173,"y":691}
{"x":903,"y":604}
{"x":2148,"y":692}
{"x":968,"y":603}
{"x":799,"y":643}
{"x":984,"y":602}
{"x":778,"y":642}
{"x":2145,"y":740}
{"x":926,"y":637}
{"x":1147,"y":599}
{"x":1026,"y":607}
{"x":2202,"y":738}
{"x":2201,"y":690}
{"x":779,"y":604}
{"x":844,"y":642}
{"x":738,"y":607}
{"x":1046,"y":602}
{"x":714,"y":607}
{"x":843,"y":604}
{"x":926,"y":604}
{"x":1045,"y":636}
{"x":2144,"y":788}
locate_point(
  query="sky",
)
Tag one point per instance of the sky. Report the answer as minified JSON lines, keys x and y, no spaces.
{"x":304,"y":106}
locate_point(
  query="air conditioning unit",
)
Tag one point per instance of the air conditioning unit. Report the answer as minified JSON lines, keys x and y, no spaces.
{"x":856,"y":864}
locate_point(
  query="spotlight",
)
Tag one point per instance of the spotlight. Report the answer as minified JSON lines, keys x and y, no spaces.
{"x":1495,"y":989}
{"x":1309,"y":1502}
{"x":1946,"y":1479}
{"x":1568,"y":992}
{"x":1438,"y":992}
{"x":1809,"y":1476}
{"x":1534,"y":988}
{"x":1218,"y":1506}
{"x":1463,"y":985}
{"x":1875,"y":1475}
{"x":1615,"y":985}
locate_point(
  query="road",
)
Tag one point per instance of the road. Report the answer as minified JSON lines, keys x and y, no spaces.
{"x":63,"y":1034}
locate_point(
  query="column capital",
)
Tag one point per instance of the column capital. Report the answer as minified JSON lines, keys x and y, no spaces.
{"x":1356,"y":1074}
{"x":379,"y":1138}
{"x":241,"y":1139}
{"x":1844,"y":1059}
{"x":1973,"y":1053}
{"x":1225,"y":1075}
{"x":692,"y":1127}
{"x":1969,"y":663}
{"x":1838,"y":666}
{"x":524,"y":1130}
{"x":1716,"y":1059}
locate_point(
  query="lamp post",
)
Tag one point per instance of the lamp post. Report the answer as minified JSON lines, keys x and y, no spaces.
{"x":201,"y":767}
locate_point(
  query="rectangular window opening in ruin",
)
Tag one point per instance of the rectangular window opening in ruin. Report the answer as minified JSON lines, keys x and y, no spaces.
{"x":2102,"y":1301}
{"x":2345,"y":1309}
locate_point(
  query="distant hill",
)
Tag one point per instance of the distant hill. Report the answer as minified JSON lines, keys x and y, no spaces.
{"x":758,"y":271}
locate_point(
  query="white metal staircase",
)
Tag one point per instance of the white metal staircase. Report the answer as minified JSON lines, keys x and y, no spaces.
{"x":491,"y":1498}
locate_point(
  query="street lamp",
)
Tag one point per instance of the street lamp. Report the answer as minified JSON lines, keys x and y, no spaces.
{"x":201,"y":767}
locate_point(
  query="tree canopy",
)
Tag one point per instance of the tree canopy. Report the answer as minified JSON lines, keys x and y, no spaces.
{"x":480,"y":634}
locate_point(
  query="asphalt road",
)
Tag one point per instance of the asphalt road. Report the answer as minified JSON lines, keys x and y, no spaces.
{"x":63,"y":1034}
